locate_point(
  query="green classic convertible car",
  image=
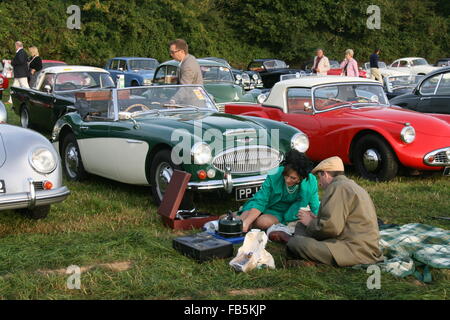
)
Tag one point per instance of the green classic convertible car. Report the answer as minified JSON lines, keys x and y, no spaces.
{"x":218,"y":80}
{"x":140,"y":135}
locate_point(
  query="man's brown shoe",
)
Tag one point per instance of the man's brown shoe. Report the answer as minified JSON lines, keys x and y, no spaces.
{"x":279,"y":236}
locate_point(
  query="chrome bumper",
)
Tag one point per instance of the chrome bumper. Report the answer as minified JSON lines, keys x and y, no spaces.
{"x":33,"y":198}
{"x":228,"y":183}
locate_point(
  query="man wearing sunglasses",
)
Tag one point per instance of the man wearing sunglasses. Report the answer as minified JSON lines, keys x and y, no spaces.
{"x":189,"y":71}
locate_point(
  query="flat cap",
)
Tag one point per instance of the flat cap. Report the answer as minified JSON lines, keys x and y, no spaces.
{"x":330,"y":164}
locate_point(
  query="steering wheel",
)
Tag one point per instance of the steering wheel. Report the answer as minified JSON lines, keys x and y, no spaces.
{"x":138,"y":106}
{"x":68,"y":86}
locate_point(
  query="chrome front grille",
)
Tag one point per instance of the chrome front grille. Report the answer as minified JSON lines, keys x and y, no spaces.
{"x":439,"y":157}
{"x":247,"y":159}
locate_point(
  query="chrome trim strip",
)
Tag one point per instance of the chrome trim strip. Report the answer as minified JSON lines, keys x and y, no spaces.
{"x":219,"y":184}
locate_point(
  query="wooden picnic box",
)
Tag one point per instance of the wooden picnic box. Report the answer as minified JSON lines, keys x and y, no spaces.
{"x":170,"y":205}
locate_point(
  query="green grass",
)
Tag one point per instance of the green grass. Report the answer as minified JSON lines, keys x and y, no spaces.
{"x":104,"y":221}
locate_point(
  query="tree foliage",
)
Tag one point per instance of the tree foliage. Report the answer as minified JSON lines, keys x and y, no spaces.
{"x":238,"y":30}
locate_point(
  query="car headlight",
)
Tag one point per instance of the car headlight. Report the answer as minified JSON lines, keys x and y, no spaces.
{"x":42,"y":160}
{"x":300,"y":142}
{"x":201,"y":153}
{"x":408,"y":134}
{"x":255,"y":76}
{"x":261,"y":98}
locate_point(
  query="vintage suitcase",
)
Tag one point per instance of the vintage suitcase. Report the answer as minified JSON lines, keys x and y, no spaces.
{"x":170,"y":205}
{"x":203,"y":246}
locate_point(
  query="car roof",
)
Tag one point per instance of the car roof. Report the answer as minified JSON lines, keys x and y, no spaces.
{"x":53,"y":61}
{"x":69,"y":68}
{"x":202,"y":62}
{"x":439,"y":70}
{"x":133,"y":58}
{"x":276,"y":95}
{"x":410,"y":58}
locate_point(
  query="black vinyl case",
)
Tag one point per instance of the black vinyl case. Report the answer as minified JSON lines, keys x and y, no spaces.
{"x":203,"y":246}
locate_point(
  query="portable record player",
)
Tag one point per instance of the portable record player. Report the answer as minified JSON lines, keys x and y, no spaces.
{"x":170,"y":206}
{"x":203,"y":246}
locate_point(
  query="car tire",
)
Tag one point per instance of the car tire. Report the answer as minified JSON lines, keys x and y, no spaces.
{"x":24,"y":117}
{"x":36,"y":213}
{"x":71,"y":159}
{"x":161,"y":171}
{"x":134,"y":83}
{"x":374,"y":159}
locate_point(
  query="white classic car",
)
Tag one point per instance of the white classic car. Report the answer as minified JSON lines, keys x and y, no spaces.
{"x":384,"y":70}
{"x":414,"y":65}
{"x":30,"y":171}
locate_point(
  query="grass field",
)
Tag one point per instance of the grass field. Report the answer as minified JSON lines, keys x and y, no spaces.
{"x":113,"y":232}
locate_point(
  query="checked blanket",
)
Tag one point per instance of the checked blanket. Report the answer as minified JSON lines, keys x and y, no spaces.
{"x":414,"y":245}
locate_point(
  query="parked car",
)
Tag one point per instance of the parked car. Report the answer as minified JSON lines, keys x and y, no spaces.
{"x":397,"y":85}
{"x":137,"y":71}
{"x":52,"y":63}
{"x":431,"y":94}
{"x":350,"y":117}
{"x":147,"y":132}
{"x":413,"y":65}
{"x":241,"y":78}
{"x":336,"y":70}
{"x":444,"y":62}
{"x":30,"y":171}
{"x":218,"y":81}
{"x":269,"y":70}
{"x":40,"y":106}
{"x":4,"y":84}
{"x":384,"y":70}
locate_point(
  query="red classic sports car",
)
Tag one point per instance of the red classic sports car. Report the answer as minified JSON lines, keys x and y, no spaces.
{"x":351,"y":117}
{"x":4,"y":83}
{"x":336,"y":70}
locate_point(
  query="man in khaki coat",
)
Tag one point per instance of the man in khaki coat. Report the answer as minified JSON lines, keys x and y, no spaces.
{"x":345,"y":231}
{"x":321,"y":64}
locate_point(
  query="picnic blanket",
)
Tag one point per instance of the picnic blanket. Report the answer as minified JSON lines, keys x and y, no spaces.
{"x":414,"y":246}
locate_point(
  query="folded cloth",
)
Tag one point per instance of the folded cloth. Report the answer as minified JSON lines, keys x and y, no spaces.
{"x":414,"y":245}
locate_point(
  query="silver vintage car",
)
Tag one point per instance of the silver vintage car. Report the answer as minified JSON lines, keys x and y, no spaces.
{"x":30,"y":171}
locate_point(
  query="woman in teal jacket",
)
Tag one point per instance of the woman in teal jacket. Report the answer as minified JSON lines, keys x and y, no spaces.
{"x":285,"y":190}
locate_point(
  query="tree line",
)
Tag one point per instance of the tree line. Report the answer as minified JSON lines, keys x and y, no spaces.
{"x":237,"y":30}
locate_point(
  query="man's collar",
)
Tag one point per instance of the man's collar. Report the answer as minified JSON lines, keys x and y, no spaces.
{"x":19,"y":49}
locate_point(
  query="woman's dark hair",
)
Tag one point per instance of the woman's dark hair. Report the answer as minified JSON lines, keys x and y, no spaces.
{"x":298,"y":162}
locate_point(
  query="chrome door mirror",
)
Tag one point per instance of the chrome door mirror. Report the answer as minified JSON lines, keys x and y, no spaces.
{"x":48,"y":88}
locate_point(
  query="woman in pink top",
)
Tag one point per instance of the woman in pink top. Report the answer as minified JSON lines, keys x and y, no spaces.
{"x":349,"y":66}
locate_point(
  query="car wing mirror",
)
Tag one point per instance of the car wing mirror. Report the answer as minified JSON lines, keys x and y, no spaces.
{"x":71,"y":108}
{"x":307,"y":107}
{"x":48,"y":88}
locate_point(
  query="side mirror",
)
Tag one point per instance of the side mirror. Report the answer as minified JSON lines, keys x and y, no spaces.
{"x":71,"y":108}
{"x":238,"y":77}
{"x":120,"y":69}
{"x":48,"y":88}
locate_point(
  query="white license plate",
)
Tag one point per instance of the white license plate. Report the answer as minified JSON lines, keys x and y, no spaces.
{"x":244,"y":193}
{"x":446,"y":171}
{"x":2,"y":186}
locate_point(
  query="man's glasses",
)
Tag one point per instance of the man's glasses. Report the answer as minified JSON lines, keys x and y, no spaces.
{"x":174,"y":51}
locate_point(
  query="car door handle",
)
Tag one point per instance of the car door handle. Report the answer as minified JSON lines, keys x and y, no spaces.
{"x":84,"y":128}
{"x":425,"y":98}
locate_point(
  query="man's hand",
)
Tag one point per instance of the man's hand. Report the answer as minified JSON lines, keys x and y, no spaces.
{"x":305,"y":217}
